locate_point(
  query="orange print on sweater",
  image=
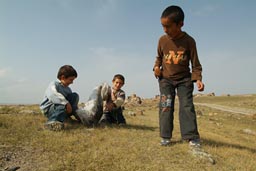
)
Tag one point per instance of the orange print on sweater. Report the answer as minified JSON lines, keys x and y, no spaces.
{"x":173,"y":57}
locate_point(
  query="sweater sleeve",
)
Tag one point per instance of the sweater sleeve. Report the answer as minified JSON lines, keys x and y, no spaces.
{"x":158,"y":61}
{"x":119,"y":101}
{"x":196,"y":66}
{"x":54,"y":96}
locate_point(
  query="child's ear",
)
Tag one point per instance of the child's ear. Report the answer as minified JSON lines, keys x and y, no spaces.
{"x":62,"y":77}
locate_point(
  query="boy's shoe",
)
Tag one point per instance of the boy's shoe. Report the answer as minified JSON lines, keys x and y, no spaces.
{"x":54,"y":125}
{"x":195,"y":144}
{"x":165,"y":142}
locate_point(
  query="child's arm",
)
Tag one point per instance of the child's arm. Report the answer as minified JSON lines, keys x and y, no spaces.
{"x":116,"y":100}
{"x":110,"y":106}
{"x":196,"y":66}
{"x":53,"y":95}
{"x":157,"y":72}
{"x":68,"y":108}
{"x":119,"y":99}
{"x":200,"y":85}
{"x":158,"y":62}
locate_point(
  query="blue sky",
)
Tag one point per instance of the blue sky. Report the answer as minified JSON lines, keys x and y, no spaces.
{"x":100,"y":38}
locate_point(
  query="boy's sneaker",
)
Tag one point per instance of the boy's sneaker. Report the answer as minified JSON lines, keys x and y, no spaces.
{"x":165,"y":142}
{"x":195,"y":147}
{"x":54,"y":125}
{"x":195,"y":144}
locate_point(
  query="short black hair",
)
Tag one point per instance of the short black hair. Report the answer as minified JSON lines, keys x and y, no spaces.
{"x":175,"y":13}
{"x":66,"y":71}
{"x":119,"y":76}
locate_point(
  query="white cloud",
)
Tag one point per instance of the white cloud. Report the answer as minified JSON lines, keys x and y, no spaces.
{"x":105,"y":62}
{"x":22,"y":80}
{"x":98,"y":7}
{"x":105,"y":10}
{"x":206,"y":10}
{"x":102,"y":51}
{"x":4,"y":72}
{"x":111,"y":60}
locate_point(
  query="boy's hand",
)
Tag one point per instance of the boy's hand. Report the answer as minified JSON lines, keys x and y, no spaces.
{"x":200,"y":85}
{"x":157,"y":72}
{"x":110,"y":106}
{"x":68,"y":108}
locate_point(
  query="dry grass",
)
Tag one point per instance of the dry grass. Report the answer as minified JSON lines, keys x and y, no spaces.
{"x":243,"y":101}
{"x":25,"y":143}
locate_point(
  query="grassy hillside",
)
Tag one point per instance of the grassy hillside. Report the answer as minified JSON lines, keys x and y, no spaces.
{"x":230,"y":138}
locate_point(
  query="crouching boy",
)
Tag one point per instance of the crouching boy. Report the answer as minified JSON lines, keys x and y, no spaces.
{"x":59,"y":101}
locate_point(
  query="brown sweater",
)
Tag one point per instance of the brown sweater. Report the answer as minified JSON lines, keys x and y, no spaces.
{"x":174,"y":57}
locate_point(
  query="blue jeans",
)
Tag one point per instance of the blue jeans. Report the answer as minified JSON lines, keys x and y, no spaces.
{"x":57,"y":112}
{"x":187,"y":115}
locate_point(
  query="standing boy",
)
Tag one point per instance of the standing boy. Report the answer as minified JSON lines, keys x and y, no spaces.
{"x":59,"y":101}
{"x":176,"y":50}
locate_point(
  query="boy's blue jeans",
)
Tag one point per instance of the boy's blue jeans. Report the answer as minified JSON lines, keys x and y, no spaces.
{"x":57,"y":112}
{"x":187,"y":115}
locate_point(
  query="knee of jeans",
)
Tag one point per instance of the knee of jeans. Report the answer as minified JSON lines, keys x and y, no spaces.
{"x":186,"y":103}
{"x":166,"y":103}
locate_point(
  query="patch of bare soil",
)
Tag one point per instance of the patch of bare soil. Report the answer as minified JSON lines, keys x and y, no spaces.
{"x":238,"y":110}
{"x":19,"y":158}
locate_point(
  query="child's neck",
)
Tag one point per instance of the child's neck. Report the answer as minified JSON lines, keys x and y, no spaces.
{"x":178,"y":35}
{"x":114,"y":90}
{"x":62,"y":83}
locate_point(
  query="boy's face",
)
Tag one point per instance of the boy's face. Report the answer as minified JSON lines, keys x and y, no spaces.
{"x":117,"y":84}
{"x":67,"y":81}
{"x":170,"y":28}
